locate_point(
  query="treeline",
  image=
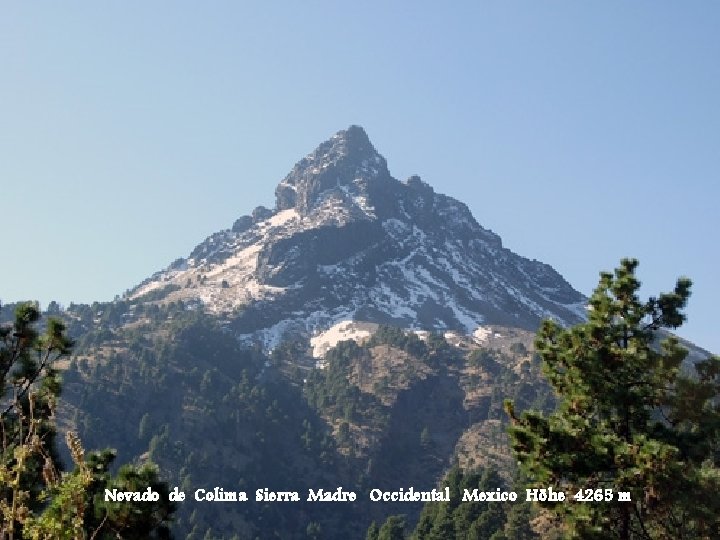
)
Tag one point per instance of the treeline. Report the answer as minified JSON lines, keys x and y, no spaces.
{"x":460,"y":519}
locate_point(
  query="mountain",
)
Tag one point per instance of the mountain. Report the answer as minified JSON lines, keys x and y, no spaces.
{"x":348,"y":242}
{"x":421,"y":324}
{"x":208,"y":368}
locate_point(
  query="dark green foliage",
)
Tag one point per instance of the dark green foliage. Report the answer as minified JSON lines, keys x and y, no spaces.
{"x":518,"y":348}
{"x":107,"y":519}
{"x":330,"y":389}
{"x":402,"y":339}
{"x":627,"y":419}
{"x":440,"y":353}
{"x":486,"y":359}
{"x":434,"y":351}
{"x":392,"y":529}
{"x":289,"y":352}
{"x":463,"y":520}
{"x":518,"y":526}
{"x":373,"y":532}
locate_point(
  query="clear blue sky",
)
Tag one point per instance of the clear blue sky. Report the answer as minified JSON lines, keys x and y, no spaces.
{"x":580,"y":132}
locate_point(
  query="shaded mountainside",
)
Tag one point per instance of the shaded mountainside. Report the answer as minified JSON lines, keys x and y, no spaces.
{"x":210,"y":414}
{"x":395,"y":411}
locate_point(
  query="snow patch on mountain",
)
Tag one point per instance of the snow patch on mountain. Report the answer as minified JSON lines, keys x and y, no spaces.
{"x":242,"y":262}
{"x":144,"y":289}
{"x":481,"y":334}
{"x":281,"y":218}
{"x":342,"y":331}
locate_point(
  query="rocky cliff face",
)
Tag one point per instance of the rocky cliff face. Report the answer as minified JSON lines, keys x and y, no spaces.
{"x":347,"y":241}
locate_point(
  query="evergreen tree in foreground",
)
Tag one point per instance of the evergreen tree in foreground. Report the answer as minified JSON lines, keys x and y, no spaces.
{"x":29,"y":387}
{"x":628,"y":419}
{"x":37,"y":500}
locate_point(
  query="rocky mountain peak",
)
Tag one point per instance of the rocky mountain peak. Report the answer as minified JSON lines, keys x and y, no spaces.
{"x":343,"y":166}
{"x":348,"y":242}
{"x":353,"y":140}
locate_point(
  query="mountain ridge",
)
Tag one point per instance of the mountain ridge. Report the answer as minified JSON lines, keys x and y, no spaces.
{"x":347,"y":241}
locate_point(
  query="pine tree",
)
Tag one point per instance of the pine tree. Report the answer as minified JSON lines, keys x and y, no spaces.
{"x":29,"y":388}
{"x":393,"y":529}
{"x":373,"y":532}
{"x":464,"y":520}
{"x":628,"y":419}
{"x":38,"y":500}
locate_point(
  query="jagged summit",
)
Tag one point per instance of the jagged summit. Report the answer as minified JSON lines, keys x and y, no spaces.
{"x":345,"y":163}
{"x":353,"y":140}
{"x":347,"y":241}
